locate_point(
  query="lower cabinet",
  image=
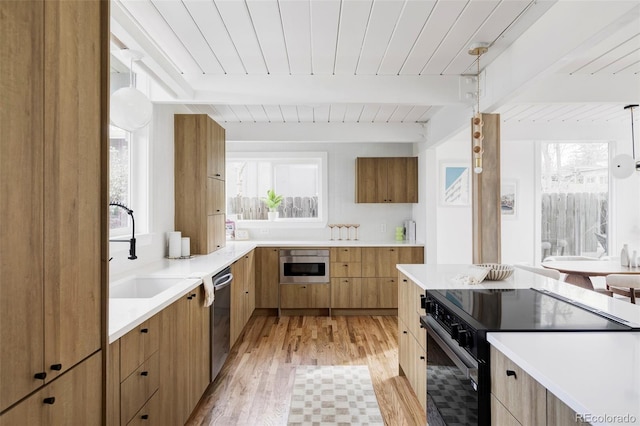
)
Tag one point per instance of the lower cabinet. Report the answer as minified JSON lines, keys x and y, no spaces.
{"x":518,"y":399}
{"x":157,"y":373}
{"x":380,"y":293}
{"x":346,"y":293}
{"x":243,"y":294}
{"x":304,"y":296}
{"x":267,"y":277}
{"x":74,"y":398}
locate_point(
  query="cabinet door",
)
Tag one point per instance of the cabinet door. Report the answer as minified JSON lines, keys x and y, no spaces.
{"x":250,"y":285}
{"x":199,"y":346}
{"x":379,"y":293}
{"x":216,"y":150}
{"x":216,"y":232}
{"x":73,"y":399}
{"x":345,"y":269}
{"x":371,"y":180}
{"x":405,"y":293}
{"x":402,"y":180}
{"x":215,"y":196}
{"x":21,"y":195}
{"x":410,"y":255}
{"x":345,"y":254}
{"x":267,"y":277}
{"x":174,"y":363}
{"x":346,"y":293}
{"x":379,"y":261}
{"x":237,"y":299}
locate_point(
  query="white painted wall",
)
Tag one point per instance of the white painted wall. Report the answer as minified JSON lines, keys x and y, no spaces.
{"x":341,"y":158}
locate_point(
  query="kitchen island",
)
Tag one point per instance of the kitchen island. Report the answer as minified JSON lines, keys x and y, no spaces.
{"x":595,"y":374}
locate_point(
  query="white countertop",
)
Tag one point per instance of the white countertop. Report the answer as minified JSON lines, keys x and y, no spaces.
{"x":126,"y":314}
{"x":594,"y":373}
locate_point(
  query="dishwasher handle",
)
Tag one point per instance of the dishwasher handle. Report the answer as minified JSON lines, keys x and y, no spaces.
{"x":222,"y":281}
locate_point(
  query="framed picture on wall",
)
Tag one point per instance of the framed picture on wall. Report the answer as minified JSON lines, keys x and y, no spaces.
{"x":455,"y":184}
{"x":509,"y":198}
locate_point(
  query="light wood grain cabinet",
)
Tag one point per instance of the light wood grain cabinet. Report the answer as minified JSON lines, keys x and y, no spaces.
{"x":243,"y":291}
{"x":75,"y":398}
{"x":267,"y":276}
{"x":386,"y":180}
{"x":412,"y":343}
{"x":382,"y":261}
{"x":199,"y":181}
{"x":346,"y":293}
{"x":52,"y":150}
{"x":304,"y":296}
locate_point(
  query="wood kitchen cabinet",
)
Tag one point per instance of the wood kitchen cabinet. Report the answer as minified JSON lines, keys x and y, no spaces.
{"x":386,"y":180}
{"x":346,"y":293}
{"x":412,"y":343}
{"x":53,"y":149}
{"x":382,"y":261}
{"x":380,"y":293}
{"x":184,"y":356}
{"x":242,"y":294}
{"x":75,"y":398}
{"x":304,"y":296}
{"x":267,"y":276}
{"x":199,"y":181}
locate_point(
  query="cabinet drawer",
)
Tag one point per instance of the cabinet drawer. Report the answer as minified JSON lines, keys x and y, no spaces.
{"x":149,"y":414}
{"x":138,"y":345}
{"x":346,"y":254}
{"x":520,"y":394}
{"x":304,"y":296}
{"x":346,"y":269}
{"x":346,"y":293}
{"x":138,"y":387}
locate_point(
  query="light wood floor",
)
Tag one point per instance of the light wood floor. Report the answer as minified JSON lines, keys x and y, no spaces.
{"x":253,"y":387}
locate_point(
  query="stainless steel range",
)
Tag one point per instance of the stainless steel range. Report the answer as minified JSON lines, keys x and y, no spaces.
{"x":458,"y":321}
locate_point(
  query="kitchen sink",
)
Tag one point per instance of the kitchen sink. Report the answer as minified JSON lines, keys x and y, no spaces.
{"x":141,"y":287}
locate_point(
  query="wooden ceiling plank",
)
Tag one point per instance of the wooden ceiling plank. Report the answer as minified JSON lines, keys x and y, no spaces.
{"x":238,"y":22}
{"x":325,"y":16}
{"x":384,"y":113}
{"x":305,"y":114}
{"x":274,"y":113}
{"x":268,"y":27}
{"x":321,"y":114}
{"x":382,"y":23}
{"x":400,"y":113}
{"x":258,"y":113}
{"x":337,"y":113}
{"x":297,"y":34}
{"x":369,"y":113}
{"x":213,"y":28}
{"x":353,"y":113}
{"x":353,"y":26}
{"x":289,"y":113}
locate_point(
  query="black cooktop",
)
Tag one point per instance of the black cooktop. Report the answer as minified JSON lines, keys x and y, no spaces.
{"x":525,"y":310}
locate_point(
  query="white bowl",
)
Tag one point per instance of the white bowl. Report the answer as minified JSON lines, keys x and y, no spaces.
{"x":498,"y":271}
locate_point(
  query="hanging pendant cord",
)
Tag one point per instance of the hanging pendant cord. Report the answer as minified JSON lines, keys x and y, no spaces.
{"x":633,"y":142}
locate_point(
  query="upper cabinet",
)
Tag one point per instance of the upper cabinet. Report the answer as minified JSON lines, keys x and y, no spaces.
{"x":199,"y":181}
{"x":386,"y":180}
{"x":53,"y":152}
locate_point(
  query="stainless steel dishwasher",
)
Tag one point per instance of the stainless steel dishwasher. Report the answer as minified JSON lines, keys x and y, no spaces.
{"x":220,"y":320}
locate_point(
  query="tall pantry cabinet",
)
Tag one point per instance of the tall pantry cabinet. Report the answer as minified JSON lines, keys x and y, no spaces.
{"x":53,"y":159}
{"x":200,"y":181}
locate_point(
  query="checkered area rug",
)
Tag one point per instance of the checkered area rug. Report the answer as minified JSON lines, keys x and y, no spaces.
{"x":333,"y":395}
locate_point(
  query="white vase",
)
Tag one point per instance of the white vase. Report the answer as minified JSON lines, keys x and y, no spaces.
{"x":272,"y":215}
{"x":624,"y":255}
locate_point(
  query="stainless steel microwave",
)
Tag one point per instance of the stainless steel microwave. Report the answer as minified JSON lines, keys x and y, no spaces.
{"x":304,"y":266}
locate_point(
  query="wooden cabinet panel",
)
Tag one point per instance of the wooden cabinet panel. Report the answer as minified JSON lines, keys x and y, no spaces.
{"x":386,"y":180}
{"x":267,"y":274}
{"x":521,"y":395}
{"x":21,"y":163}
{"x":76,"y":399}
{"x":138,"y":345}
{"x":345,"y":269}
{"x":304,"y":296}
{"x":149,"y":414}
{"x":174,"y":362}
{"x":136,"y":389}
{"x":558,"y":413}
{"x":199,"y":181}
{"x":250,"y":285}
{"x":199,"y":346}
{"x":500,"y":416}
{"x":113,"y":384}
{"x":237,"y":299}
{"x":379,"y":261}
{"x":409,"y":255}
{"x":346,"y":293}
{"x":379,"y":293}
{"x":345,"y":254}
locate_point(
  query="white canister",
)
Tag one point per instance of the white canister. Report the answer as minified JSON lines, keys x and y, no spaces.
{"x":624,"y":255}
{"x":186,"y":247}
{"x":175,"y":243}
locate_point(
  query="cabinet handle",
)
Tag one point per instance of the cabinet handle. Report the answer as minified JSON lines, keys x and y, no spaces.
{"x":51,"y":400}
{"x":246,"y":292}
{"x":421,"y":357}
{"x":217,"y":174}
{"x":189,"y":297}
{"x":194,"y":295}
{"x":144,"y":416}
{"x":404,"y":281}
{"x":304,"y":286}
{"x":391,"y":250}
{"x":40,"y":376}
{"x":405,"y":332}
{"x":217,"y":210}
{"x":345,"y":266}
{"x":56,"y":367}
{"x":144,"y":373}
{"x":144,"y":330}
{"x":512,"y":373}
{"x":345,"y":250}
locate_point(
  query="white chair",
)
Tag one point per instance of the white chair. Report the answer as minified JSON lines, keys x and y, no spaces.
{"x":551,"y":273}
{"x":571,"y":258}
{"x":624,"y":285}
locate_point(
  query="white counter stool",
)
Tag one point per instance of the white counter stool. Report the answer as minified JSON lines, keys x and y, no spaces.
{"x":624,"y":285}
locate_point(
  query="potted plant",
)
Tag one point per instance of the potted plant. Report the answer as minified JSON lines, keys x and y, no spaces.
{"x":273,"y":202}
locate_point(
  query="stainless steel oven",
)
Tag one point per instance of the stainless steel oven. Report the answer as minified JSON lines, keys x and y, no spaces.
{"x":304,"y":266}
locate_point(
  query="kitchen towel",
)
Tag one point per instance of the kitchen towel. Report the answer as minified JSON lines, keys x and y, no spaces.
{"x":175,"y":243}
{"x":209,"y":296}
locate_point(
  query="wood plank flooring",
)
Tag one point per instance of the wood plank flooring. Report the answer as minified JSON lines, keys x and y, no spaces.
{"x":254,"y":386}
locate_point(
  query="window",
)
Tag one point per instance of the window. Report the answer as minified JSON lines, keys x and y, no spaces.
{"x":119,"y":179}
{"x":574,"y":198}
{"x":299,"y":177}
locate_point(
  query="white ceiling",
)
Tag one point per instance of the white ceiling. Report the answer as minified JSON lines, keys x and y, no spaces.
{"x":350,"y":61}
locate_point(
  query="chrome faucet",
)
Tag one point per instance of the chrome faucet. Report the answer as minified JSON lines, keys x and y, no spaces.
{"x":132,"y":241}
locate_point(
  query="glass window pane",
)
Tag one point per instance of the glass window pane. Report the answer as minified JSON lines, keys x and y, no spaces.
{"x":119,"y":176}
{"x":574,"y":198}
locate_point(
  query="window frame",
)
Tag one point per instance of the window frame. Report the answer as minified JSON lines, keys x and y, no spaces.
{"x":281,"y":158}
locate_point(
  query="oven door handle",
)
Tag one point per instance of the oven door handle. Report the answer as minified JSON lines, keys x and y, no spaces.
{"x":458,"y":355}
